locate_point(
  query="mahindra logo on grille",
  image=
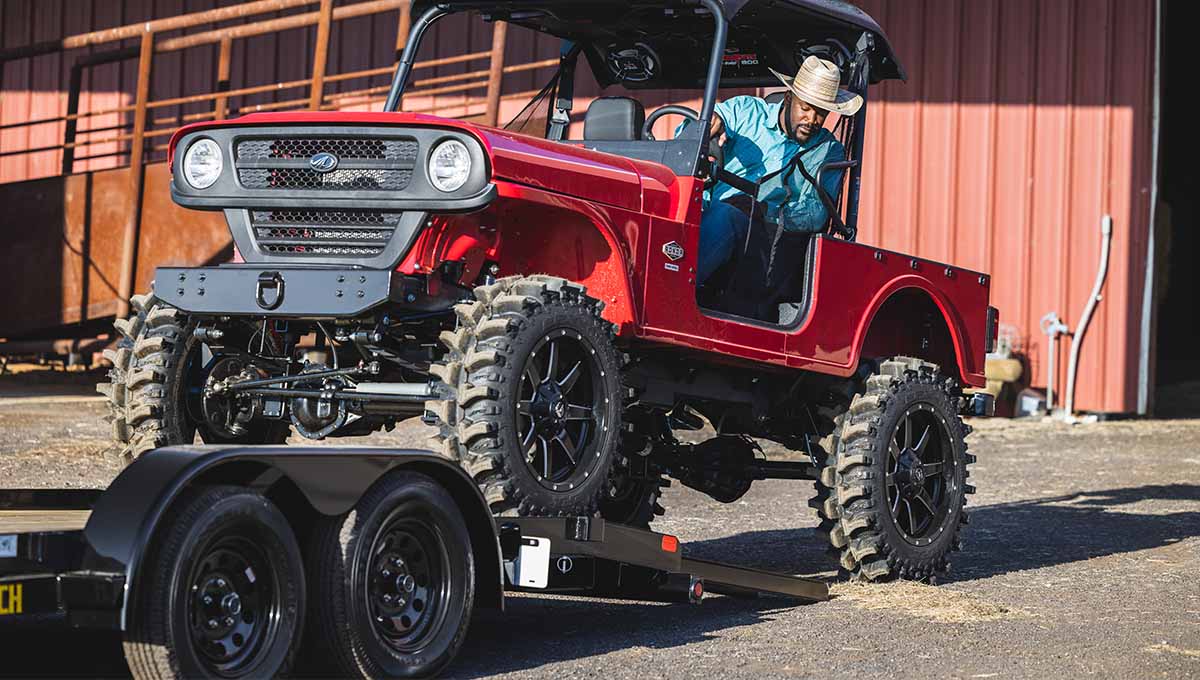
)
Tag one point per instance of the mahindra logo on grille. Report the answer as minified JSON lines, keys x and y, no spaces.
{"x":673,"y":250}
{"x":323,"y":162}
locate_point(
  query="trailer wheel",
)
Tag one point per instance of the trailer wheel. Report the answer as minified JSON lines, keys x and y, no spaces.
{"x":223,"y":594}
{"x":393,"y":582}
{"x":151,"y":397}
{"x":896,"y":474}
{"x":535,"y":394}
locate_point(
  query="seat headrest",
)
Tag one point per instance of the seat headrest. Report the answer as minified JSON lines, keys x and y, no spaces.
{"x":614,"y":119}
{"x":775,"y":97}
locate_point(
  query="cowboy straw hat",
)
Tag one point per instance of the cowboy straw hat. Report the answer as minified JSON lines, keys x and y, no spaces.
{"x":817,"y":83}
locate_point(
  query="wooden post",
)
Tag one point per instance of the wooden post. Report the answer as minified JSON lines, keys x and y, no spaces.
{"x":221,"y":108}
{"x":136,"y":178}
{"x":495,"y":74}
{"x":321,"y":55}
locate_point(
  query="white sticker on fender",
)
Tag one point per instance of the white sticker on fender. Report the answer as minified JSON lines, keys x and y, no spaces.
{"x":8,"y":545}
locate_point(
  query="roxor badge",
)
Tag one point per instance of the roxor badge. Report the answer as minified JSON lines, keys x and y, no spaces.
{"x":673,"y":251}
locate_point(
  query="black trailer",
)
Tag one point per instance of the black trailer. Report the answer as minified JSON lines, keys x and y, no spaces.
{"x":228,"y":561}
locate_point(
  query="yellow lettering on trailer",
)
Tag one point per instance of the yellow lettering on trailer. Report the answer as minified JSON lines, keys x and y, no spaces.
{"x":10,"y":599}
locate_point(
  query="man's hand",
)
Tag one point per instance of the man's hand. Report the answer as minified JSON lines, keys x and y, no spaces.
{"x":717,"y":127}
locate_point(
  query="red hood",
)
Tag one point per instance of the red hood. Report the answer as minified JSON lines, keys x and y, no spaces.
{"x":557,"y":167}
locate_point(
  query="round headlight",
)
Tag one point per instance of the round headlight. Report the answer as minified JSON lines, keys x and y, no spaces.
{"x":202,"y":164}
{"x":449,"y":165}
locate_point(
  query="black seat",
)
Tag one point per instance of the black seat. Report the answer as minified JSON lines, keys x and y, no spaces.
{"x":775,"y":97}
{"x":614,"y":119}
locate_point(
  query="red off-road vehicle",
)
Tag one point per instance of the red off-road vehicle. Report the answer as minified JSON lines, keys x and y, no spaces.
{"x":533,"y":296}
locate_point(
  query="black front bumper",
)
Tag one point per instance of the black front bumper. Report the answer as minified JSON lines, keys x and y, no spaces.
{"x":292,"y":292}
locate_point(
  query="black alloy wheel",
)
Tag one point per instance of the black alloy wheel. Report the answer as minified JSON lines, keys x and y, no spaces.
{"x":893,"y":483}
{"x":223,"y":591}
{"x":557,"y":418}
{"x":393,"y":583}
{"x":919,"y":474}
{"x":533,"y":400}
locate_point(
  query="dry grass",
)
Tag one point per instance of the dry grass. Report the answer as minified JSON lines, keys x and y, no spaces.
{"x":937,"y":604}
{"x":1172,"y":649}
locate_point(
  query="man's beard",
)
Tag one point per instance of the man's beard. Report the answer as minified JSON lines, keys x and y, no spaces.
{"x":793,"y":131}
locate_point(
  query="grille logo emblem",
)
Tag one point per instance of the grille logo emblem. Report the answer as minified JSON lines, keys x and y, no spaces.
{"x":673,"y":250}
{"x":323,"y":162}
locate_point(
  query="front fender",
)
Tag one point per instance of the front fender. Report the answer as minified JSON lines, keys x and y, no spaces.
{"x":127,"y":516}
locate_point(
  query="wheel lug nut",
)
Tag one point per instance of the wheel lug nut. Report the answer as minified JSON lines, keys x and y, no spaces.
{"x":212,"y":623}
{"x":387,"y":573}
{"x":208,"y":600}
{"x":398,"y":562}
{"x":387,"y":599}
{"x":228,"y":620}
{"x":220,"y":583}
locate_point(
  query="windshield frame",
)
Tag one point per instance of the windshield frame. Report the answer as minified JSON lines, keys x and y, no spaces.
{"x":431,"y":15}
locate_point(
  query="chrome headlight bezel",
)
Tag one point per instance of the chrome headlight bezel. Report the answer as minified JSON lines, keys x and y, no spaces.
{"x":449,"y":178}
{"x":203,"y":145}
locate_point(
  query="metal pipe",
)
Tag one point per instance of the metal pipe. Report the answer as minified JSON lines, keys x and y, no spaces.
{"x":137,"y":175}
{"x":156,"y":26}
{"x":320,"y":56}
{"x":1081,"y":328}
{"x":1053,"y":327}
{"x":405,"y":65}
{"x":495,"y":73}
{"x":715,"y":63}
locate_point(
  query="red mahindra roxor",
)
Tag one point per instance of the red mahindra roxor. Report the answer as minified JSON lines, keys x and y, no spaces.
{"x":534,"y":297}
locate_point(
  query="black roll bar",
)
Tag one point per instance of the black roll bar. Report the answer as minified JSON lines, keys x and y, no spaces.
{"x":409,"y":56}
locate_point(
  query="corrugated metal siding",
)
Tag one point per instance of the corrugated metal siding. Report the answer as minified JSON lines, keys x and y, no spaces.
{"x":1023,"y":122}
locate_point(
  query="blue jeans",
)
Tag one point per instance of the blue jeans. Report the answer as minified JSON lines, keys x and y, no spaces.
{"x":722,"y":228}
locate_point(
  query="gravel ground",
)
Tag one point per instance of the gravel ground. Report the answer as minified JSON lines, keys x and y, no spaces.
{"x":1083,"y":558}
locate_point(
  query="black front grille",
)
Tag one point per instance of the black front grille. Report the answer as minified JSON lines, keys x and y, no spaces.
{"x":399,"y":150}
{"x":343,"y":179}
{"x":323,"y":232}
{"x":380,"y":163}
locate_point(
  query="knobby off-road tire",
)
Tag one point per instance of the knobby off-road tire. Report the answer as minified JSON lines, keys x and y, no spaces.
{"x":489,"y":374}
{"x":147,"y":388}
{"x":225,"y":555}
{"x":893,"y":488}
{"x":393,"y":583}
{"x":634,"y":502}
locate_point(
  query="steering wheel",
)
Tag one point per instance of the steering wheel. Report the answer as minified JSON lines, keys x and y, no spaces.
{"x":648,"y":126}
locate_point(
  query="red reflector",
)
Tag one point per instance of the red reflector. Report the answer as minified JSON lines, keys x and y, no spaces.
{"x":698,"y":590}
{"x":670,"y":544}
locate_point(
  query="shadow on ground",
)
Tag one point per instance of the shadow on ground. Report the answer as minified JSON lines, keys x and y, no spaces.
{"x":1007,"y":537}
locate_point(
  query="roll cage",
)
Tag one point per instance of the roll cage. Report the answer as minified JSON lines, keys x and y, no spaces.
{"x":746,"y":36}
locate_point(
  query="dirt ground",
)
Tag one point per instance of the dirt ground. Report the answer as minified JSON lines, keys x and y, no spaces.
{"x":1082,"y":558}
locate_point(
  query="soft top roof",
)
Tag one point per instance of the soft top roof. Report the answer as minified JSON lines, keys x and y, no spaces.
{"x":673,"y":37}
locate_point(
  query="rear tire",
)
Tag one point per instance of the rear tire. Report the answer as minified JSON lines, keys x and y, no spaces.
{"x":894,"y":481}
{"x":152,"y":371}
{"x":228,"y":556}
{"x":539,"y":434}
{"x":393,"y":583}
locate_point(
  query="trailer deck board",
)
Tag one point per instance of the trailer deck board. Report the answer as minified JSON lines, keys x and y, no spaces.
{"x":26,"y":521}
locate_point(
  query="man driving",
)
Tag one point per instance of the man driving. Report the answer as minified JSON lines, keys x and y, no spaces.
{"x":765,"y":141}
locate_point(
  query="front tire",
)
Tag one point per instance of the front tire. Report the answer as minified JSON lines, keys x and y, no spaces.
{"x":896,"y":475}
{"x":393,"y":582}
{"x":155,"y":369}
{"x":534,"y":413}
{"x":224,"y":593}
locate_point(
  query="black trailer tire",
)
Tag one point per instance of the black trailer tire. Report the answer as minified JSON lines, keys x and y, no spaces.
{"x":226,"y":555}
{"x":490,"y":427}
{"x":875,"y":474}
{"x":393,"y":583}
{"x":147,"y":386}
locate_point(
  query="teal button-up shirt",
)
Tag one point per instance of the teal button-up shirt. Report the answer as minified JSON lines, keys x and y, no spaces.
{"x":756,"y":147}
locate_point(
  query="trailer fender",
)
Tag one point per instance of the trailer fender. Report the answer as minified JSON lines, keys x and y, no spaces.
{"x":126,"y":517}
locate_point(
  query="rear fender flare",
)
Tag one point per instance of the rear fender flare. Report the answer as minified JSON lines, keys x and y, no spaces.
{"x":899,"y":285}
{"x":126,"y":517}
